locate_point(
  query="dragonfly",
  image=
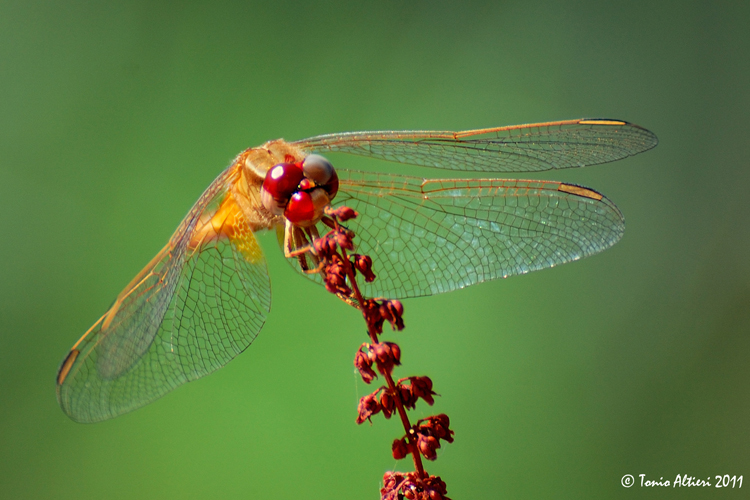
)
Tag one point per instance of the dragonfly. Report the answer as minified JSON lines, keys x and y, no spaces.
{"x":205,"y":296}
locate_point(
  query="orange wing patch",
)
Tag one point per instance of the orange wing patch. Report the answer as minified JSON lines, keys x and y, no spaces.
{"x":579,"y":191}
{"x":228,"y":221}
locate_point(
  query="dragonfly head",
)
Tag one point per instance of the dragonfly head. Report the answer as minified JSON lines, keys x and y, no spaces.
{"x":300,"y":191}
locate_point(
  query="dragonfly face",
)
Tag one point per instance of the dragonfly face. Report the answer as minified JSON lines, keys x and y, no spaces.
{"x":205,"y":296}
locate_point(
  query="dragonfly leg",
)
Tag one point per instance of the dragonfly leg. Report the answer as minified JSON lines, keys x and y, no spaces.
{"x":293,"y":247}
{"x":297,"y":245}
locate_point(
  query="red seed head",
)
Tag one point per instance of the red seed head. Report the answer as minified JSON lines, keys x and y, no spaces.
{"x":407,"y":397}
{"x":371,"y":312}
{"x":439,"y":424}
{"x":387,"y":355}
{"x":391,"y":311}
{"x":421,"y":387}
{"x":363,"y":263}
{"x":342,"y":213}
{"x":363,"y":363}
{"x":368,"y":406}
{"x":387,"y":403}
{"x":409,"y":485}
{"x":399,"y":448}
{"x":428,"y":446}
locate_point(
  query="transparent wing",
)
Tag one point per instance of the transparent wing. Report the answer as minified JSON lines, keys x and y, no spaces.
{"x":517,"y":148}
{"x":429,"y":236}
{"x":201,"y":301}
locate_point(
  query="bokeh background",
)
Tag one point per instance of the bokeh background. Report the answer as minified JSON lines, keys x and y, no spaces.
{"x":114,"y":116}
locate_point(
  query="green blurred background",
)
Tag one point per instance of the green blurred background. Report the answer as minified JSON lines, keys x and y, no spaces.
{"x":114,"y":117}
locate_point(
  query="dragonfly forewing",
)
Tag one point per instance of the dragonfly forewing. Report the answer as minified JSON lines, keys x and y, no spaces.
{"x":518,"y":148}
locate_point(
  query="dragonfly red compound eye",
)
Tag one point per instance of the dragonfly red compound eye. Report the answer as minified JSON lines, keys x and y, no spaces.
{"x":300,"y":208}
{"x":280,"y":183}
{"x":320,"y":170}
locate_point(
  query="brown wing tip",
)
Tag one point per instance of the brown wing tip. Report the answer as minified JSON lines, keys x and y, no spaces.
{"x":579,"y":191}
{"x":601,"y":122}
{"x":67,"y":365}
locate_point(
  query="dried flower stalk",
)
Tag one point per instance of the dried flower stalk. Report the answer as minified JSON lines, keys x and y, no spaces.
{"x":339,"y":270}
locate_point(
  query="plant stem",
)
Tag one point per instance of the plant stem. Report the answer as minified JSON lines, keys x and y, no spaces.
{"x":391,"y":384}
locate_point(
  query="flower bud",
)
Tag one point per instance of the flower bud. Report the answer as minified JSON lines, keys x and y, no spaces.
{"x":363,"y":263}
{"x":363,"y":363}
{"x":387,"y":403}
{"x":368,"y":406}
{"x":428,"y":446}
{"x":344,"y":239}
{"x":342,"y":213}
{"x":399,"y":448}
{"x":392,"y":310}
{"x":421,"y":387}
